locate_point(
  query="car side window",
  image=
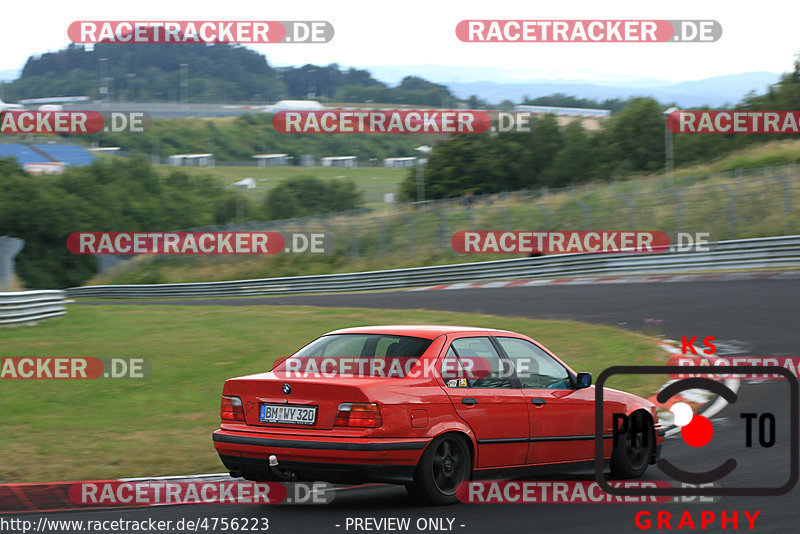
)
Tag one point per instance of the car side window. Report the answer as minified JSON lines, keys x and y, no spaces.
{"x":534,"y":367}
{"x":481,"y":362}
{"x":452,"y":371}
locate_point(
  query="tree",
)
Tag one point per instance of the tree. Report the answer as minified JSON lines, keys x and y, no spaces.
{"x":635,"y":137}
{"x":577,"y":160}
{"x":540,"y":148}
{"x":111,"y":195}
{"x":308,"y":195}
{"x":474,"y":102}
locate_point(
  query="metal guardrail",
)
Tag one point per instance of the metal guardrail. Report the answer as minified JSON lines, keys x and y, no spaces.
{"x":29,"y":307}
{"x":771,"y":252}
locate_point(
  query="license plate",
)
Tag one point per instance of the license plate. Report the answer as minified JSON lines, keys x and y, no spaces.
{"x":287,"y":413}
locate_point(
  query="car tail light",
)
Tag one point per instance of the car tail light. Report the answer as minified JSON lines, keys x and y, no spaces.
{"x":359,"y":414}
{"x":231,"y":409}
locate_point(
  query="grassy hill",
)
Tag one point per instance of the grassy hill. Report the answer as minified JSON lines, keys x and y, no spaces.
{"x":712,"y":198}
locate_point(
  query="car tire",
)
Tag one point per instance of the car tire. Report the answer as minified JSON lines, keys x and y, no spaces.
{"x":633,"y":450}
{"x":446,"y":463}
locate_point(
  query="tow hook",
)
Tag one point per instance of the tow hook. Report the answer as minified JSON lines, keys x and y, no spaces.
{"x":283,"y":474}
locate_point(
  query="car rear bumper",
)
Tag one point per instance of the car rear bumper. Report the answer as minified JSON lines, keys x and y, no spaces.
{"x":343,"y":460}
{"x":258,"y":469}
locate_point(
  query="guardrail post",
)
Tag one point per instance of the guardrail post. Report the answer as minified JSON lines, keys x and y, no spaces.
{"x":506,"y":219}
{"x":382,"y":236}
{"x":410,"y":223}
{"x":323,"y":222}
{"x":587,"y":214}
{"x":442,"y":220}
{"x":731,"y":209}
{"x":546,"y":212}
{"x":787,"y":199}
{"x":9,"y":248}
{"x":678,"y":210}
{"x":353,"y":241}
{"x":629,"y":204}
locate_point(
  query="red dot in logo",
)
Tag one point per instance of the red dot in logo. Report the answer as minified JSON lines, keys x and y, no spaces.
{"x":698,"y":432}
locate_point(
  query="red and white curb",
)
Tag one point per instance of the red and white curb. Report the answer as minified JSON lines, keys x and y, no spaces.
{"x":712,"y":277}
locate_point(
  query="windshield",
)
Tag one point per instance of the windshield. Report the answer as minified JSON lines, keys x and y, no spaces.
{"x":383,"y":355}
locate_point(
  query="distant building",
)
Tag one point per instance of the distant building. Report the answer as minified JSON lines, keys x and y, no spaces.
{"x":46,"y":159}
{"x":191,"y":160}
{"x":307,"y":160}
{"x":23,"y":153}
{"x":294,"y":105}
{"x":339,"y":161}
{"x":53,"y":167}
{"x":399,"y":162}
{"x":566,"y":112}
{"x":272,"y":160}
{"x":72,"y":155}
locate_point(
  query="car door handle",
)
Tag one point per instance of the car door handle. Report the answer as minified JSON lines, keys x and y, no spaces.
{"x":538,"y":401}
{"x":469,"y":400}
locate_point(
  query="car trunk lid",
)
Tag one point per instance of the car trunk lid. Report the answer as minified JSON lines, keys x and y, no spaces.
{"x":295,"y":397}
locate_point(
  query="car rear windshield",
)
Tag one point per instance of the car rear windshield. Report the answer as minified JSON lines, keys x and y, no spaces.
{"x":384,"y":355}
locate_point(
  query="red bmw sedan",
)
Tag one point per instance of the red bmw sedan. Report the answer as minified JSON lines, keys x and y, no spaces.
{"x":428,"y":407}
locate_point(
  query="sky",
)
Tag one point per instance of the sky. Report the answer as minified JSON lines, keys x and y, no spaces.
{"x":758,"y":36}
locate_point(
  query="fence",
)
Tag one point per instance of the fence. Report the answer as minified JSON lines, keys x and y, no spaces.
{"x":775,"y":252}
{"x":732,"y":205}
{"x":29,"y":307}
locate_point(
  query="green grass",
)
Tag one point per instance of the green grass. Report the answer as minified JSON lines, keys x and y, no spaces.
{"x":161,"y":425}
{"x":760,"y":155}
{"x":374,"y":182}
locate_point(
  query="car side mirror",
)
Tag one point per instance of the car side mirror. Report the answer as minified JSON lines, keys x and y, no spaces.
{"x":583,"y":380}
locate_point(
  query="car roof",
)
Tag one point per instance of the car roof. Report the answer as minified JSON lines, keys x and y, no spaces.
{"x":423,"y":331}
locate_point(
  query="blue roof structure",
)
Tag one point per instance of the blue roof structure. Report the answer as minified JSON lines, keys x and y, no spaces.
{"x":23,"y":153}
{"x":72,"y":155}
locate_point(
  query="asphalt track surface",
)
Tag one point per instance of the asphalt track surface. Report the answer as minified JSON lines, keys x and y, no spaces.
{"x":756,"y":317}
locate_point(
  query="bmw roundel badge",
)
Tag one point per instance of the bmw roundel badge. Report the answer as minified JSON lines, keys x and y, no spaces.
{"x":287,"y":389}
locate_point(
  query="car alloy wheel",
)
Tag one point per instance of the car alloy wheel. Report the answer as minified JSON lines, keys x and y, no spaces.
{"x":444,"y":465}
